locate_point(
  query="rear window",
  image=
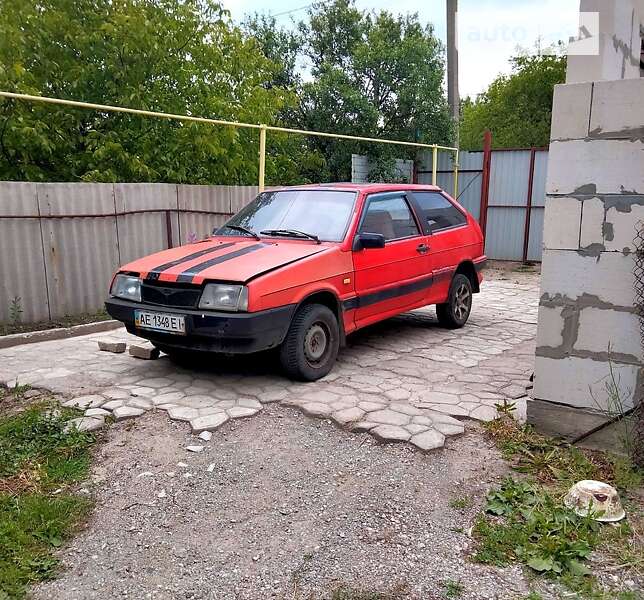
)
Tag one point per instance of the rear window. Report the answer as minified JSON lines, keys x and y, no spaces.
{"x":438,"y":212}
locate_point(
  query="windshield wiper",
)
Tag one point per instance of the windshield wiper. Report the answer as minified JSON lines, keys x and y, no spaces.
{"x":291,"y":233}
{"x":244,"y":230}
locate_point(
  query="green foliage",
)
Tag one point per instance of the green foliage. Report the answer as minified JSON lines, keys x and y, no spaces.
{"x":15,"y":310}
{"x":375,"y":75}
{"x":516,"y":108}
{"x":183,"y":57}
{"x":551,"y":460}
{"x":36,"y":456}
{"x":461,"y":503}
{"x":453,"y":589}
{"x":536,"y":530}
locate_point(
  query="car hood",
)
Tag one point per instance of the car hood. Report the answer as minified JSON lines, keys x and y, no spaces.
{"x":222,"y":259}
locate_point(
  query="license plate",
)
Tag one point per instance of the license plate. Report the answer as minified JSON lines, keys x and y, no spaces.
{"x":160,"y":322}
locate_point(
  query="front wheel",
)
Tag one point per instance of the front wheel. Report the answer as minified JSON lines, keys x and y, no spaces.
{"x":455,"y":312}
{"x":311,"y":344}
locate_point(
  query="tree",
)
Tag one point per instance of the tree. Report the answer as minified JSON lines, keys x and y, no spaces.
{"x":178,"y":56}
{"x":374,"y":75}
{"x":517,"y":108}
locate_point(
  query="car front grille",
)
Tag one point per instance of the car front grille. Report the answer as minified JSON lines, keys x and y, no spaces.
{"x":165,"y":295}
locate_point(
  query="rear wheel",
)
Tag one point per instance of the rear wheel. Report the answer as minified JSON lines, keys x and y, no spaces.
{"x":311,"y":344}
{"x":455,"y":312}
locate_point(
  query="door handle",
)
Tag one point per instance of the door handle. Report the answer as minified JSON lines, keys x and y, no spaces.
{"x":422,"y":248}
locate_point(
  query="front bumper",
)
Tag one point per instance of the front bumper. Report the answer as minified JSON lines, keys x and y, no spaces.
{"x":235,"y":333}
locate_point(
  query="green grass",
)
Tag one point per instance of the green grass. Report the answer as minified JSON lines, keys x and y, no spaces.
{"x":453,"y":589}
{"x":38,"y":461}
{"x":66,"y":321}
{"x":460,"y":503}
{"x":347,"y":592}
{"x":525,"y":521}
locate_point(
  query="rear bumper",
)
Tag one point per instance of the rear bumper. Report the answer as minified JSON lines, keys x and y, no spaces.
{"x":235,"y":333}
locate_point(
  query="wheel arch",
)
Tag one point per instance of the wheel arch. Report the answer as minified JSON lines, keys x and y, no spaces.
{"x":468,"y":269}
{"x":327,"y":298}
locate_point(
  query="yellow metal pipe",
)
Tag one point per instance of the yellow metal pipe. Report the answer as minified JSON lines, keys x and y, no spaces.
{"x":149,"y":113}
{"x":434,"y":165}
{"x":262,"y":156}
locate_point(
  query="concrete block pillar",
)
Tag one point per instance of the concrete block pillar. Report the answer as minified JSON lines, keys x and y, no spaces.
{"x":589,"y":356}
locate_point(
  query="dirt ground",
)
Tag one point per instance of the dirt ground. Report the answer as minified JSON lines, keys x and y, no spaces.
{"x":280,"y":506}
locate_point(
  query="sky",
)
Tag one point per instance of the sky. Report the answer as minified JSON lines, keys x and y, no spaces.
{"x":489,"y":30}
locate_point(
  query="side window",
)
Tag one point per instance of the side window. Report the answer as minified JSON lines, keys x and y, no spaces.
{"x":438,"y":211}
{"x":389,"y":216}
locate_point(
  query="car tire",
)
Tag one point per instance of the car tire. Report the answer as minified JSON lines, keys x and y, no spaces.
{"x":455,"y":312}
{"x":311,"y":345}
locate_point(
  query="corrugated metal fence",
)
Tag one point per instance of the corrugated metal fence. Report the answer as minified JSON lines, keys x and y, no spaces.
{"x":61,"y":242}
{"x":513,"y":212}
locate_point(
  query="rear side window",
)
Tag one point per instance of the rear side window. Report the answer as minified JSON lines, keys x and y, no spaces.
{"x":438,"y":212}
{"x":389,"y":216}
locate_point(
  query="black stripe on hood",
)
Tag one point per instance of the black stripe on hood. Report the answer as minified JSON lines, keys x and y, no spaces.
{"x":188,"y":274}
{"x":154,"y":273}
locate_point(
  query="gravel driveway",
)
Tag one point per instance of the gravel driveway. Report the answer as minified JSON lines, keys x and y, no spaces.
{"x":287,"y":504}
{"x":279,"y":506}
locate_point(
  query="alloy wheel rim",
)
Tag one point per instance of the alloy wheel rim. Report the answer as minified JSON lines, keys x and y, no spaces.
{"x":462,"y":302}
{"x":316,"y":343}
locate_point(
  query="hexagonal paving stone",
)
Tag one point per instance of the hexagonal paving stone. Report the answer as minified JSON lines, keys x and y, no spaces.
{"x":209,"y":422}
{"x":92,"y":401}
{"x":116,"y":394}
{"x":182,"y":413}
{"x":388,"y":417}
{"x":238,"y":412}
{"x":112,"y":404}
{"x":428,"y":440}
{"x":317,"y":409}
{"x":390,"y":433}
{"x":168,"y":398}
{"x":126,"y":412}
{"x":348,"y":415}
{"x":86,"y":423}
{"x":249,"y":403}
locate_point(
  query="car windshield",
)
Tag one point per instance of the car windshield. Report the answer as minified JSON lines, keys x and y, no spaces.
{"x":321,"y":213}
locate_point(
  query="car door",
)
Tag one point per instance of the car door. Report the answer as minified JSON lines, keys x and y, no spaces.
{"x":446,"y":225}
{"x":388,"y":280}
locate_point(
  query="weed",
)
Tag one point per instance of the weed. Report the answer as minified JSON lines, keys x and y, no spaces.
{"x":535,"y":529}
{"x":37,"y":455}
{"x":346,"y":592}
{"x":461,"y":503}
{"x":15,"y":310}
{"x":525,"y":521}
{"x":453,"y":589}
{"x":552,"y":460}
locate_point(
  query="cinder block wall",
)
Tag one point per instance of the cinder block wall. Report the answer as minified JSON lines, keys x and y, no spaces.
{"x":588,"y":336}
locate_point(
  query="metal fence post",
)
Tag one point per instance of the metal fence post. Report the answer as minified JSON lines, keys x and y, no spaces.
{"x":485,"y":180}
{"x":262,"y":156}
{"x":528,"y":208}
{"x":434,"y":164}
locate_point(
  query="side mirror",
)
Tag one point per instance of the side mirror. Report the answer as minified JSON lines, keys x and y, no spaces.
{"x":368,"y":240}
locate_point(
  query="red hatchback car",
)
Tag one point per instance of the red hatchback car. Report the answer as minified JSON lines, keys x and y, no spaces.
{"x":299,"y":268}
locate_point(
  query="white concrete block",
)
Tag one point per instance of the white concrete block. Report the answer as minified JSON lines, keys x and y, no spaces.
{"x":595,"y":167}
{"x":617,"y":108}
{"x":571,"y":111}
{"x":583,"y":382}
{"x":608,"y":276}
{"x":601,"y":330}
{"x":621,"y":227}
{"x":550,"y":326}
{"x":562,"y":221}
{"x":592,"y":221}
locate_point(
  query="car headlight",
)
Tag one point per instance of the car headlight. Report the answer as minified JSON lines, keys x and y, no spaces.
{"x":223,"y":296}
{"x":127,"y":288}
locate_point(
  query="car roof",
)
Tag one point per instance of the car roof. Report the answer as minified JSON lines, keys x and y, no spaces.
{"x":362,"y":187}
